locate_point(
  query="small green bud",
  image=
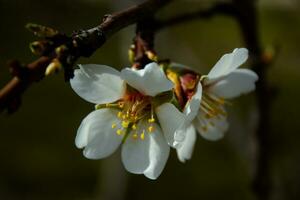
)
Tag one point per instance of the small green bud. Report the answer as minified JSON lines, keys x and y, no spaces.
{"x":41,"y":31}
{"x":39,"y":47}
{"x":53,"y":67}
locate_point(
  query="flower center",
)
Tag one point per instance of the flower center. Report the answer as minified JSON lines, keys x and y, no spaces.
{"x":133,"y":107}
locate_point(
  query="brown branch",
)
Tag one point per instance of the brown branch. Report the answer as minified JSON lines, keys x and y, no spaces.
{"x":82,"y":43}
{"x":248,"y":23}
{"x":144,"y":42}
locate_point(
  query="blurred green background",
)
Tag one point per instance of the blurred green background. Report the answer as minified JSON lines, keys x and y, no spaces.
{"x":38,"y":158}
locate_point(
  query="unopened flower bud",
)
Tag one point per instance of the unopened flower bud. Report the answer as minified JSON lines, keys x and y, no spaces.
{"x":151,"y":55}
{"x":41,"y":31}
{"x":60,"y":50}
{"x":39,"y":47}
{"x":53,"y":67}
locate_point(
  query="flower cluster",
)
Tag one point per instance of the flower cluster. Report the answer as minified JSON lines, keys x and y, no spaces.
{"x":147,"y":111}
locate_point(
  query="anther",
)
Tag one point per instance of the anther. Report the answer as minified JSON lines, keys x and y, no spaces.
{"x":151,"y":120}
{"x":125,"y":124}
{"x":134,"y":127}
{"x":119,"y":132}
{"x":114,"y":125}
{"x":142,"y":136}
{"x":119,"y":114}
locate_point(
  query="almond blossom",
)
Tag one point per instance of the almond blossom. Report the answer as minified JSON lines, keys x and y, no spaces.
{"x":205,"y":108}
{"x":133,"y":109}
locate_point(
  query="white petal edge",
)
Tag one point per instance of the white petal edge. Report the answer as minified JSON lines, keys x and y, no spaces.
{"x":98,"y":84}
{"x":185,"y":149}
{"x":150,"y":81}
{"x":170,"y":120}
{"x":191,"y":110}
{"x":158,"y":154}
{"x":135,"y":151}
{"x":192,"y":107}
{"x":228,"y":63}
{"x":96,"y":136}
{"x":240,"y":81}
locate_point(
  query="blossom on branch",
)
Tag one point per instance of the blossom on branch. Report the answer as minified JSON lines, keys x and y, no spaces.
{"x":209,"y":117}
{"x":133,"y":109}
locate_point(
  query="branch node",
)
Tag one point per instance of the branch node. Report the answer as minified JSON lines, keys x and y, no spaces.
{"x":18,"y":70}
{"x":88,"y":41}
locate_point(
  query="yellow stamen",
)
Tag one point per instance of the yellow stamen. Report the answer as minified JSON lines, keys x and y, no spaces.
{"x":151,"y":120}
{"x":114,"y":125}
{"x":119,"y":114}
{"x":142,"y":135}
{"x":134,"y":127}
{"x":125,"y":124}
{"x":119,"y":132}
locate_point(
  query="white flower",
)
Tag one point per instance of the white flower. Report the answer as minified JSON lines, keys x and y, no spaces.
{"x":207,"y":106}
{"x":133,"y":110}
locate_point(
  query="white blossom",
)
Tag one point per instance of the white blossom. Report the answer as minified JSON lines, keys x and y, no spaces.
{"x":206,"y":108}
{"x":132,"y":109}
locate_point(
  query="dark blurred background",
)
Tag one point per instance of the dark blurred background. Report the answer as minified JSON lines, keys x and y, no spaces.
{"x":38,"y":158}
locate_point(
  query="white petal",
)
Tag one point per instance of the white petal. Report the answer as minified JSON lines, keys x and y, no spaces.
{"x":97,"y":136}
{"x":98,"y":84}
{"x":159,"y":153}
{"x":150,"y":81}
{"x":135,"y":151}
{"x":171,"y":120}
{"x":239,"y":82}
{"x":228,"y":63}
{"x":185,"y":149}
{"x":192,"y":107}
{"x":212,"y":132}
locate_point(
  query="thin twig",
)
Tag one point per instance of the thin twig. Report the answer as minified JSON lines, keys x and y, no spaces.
{"x":82,"y":43}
